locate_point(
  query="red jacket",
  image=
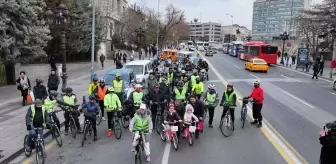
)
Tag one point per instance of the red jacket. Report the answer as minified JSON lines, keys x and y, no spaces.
{"x":258,"y":95}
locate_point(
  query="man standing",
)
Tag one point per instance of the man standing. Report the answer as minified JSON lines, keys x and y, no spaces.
{"x":100,"y":93}
{"x":257,"y":95}
{"x":53,"y":82}
{"x":102,"y":60}
{"x":140,"y":54}
{"x":211,"y":101}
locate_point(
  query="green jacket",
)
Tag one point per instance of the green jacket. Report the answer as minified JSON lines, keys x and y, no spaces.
{"x":112,"y":102}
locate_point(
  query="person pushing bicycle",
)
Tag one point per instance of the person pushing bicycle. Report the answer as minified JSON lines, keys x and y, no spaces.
{"x":229,"y":98}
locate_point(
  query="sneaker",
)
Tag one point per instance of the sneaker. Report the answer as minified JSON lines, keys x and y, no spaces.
{"x":147,"y":158}
{"x":259,"y":125}
{"x":109,"y":133}
{"x":66,"y":133}
{"x":103,"y":118}
{"x":210,"y":126}
{"x":254,"y":122}
{"x":79,"y":131}
{"x":133,"y":149}
{"x":95,"y":138}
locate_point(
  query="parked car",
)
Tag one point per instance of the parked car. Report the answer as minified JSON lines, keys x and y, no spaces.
{"x":141,"y":69}
{"x":209,"y":52}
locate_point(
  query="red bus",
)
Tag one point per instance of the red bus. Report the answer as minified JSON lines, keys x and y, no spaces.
{"x":259,"y":50}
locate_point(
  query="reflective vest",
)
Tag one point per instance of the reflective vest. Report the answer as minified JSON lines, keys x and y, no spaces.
{"x":101,"y":93}
{"x":180,"y":95}
{"x":198,"y":88}
{"x":112,"y":102}
{"x":193,"y":80}
{"x":92,"y":86}
{"x":69,"y":100}
{"x":229,"y":99}
{"x":141,"y":123}
{"x":170,"y":78}
{"x":137,"y":98}
{"x":210,"y":98}
{"x":32,"y":108}
{"x":49,"y":104}
{"x":186,"y":85}
{"x":118,"y":86}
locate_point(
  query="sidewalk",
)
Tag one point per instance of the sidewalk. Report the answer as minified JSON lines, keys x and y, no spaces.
{"x":12,"y":124}
{"x":326,"y":70}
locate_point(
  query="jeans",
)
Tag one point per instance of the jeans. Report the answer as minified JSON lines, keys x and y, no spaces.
{"x":31,"y":135}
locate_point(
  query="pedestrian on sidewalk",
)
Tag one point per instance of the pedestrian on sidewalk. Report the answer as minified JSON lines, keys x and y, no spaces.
{"x":279,"y":54}
{"x":316,"y":69}
{"x":321,"y":66}
{"x":124,"y":57}
{"x":52,"y":62}
{"x":114,"y":56}
{"x":289,"y":61}
{"x":102,"y":60}
{"x":146,"y":51}
{"x":293,"y":59}
{"x":285,"y":55}
{"x":39,"y":90}
{"x":23,"y":86}
{"x":140,"y":54}
{"x":150,"y":50}
{"x":154,"y":51}
{"x":118,"y":56}
{"x":53,"y":82}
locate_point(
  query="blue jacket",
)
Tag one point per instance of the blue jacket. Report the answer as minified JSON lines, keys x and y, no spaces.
{"x":91,"y":107}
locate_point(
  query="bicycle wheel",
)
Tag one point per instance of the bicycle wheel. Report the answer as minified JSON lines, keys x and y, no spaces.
{"x":57,"y":135}
{"x":117,"y":129}
{"x":40,"y":154}
{"x":99,"y":118}
{"x":138,"y":154}
{"x":163,"y":135}
{"x":175,"y":142}
{"x":73,"y":127}
{"x":125,"y":121}
{"x":85,"y":131}
{"x":243,"y":117}
{"x":191,"y":139}
{"x":227,"y":125}
{"x":27,"y":153}
{"x":158,"y":124}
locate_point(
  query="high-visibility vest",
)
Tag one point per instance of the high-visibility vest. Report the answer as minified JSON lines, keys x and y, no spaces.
{"x":101,"y":92}
{"x":92,"y":86}
{"x":229,"y":99}
{"x":118,"y":85}
{"x":32,"y":108}
{"x":193,"y":80}
{"x":49,"y":104}
{"x":112,"y":102}
{"x":69,"y":99}
{"x":186,"y":85}
{"x":141,"y":123}
{"x":137,"y":98}
{"x":180,"y":95}
{"x":211,"y":98}
{"x":198,"y":88}
{"x":170,"y":78}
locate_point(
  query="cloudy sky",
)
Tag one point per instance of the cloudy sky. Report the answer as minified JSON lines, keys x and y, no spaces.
{"x":210,"y":10}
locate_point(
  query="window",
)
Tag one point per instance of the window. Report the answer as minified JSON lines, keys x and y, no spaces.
{"x":269,"y":49}
{"x":254,"y":50}
{"x":137,"y":69}
{"x":146,"y":69}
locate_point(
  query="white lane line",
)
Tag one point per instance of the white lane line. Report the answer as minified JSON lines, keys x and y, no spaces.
{"x":302,"y":101}
{"x":236,"y":66}
{"x":166,"y":152}
{"x":290,"y":78}
{"x":254,"y":76}
{"x":302,"y":73}
{"x":333,"y":93}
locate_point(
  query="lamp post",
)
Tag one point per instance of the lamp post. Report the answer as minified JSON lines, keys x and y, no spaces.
{"x":60,"y":19}
{"x":248,"y":38}
{"x":231,"y":26}
{"x":284,"y":37}
{"x":140,"y":33}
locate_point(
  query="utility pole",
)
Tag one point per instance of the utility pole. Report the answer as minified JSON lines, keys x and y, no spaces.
{"x":93,"y":37}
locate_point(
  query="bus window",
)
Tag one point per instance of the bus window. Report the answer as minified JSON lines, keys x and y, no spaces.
{"x":269,"y":49}
{"x":246,"y":50}
{"x":206,"y":44}
{"x":254,"y":50}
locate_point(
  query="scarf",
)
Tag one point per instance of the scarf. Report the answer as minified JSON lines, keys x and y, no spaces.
{"x":24,"y":82}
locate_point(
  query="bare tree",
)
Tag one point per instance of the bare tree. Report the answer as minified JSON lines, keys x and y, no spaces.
{"x":178,"y":31}
{"x":173,"y":17}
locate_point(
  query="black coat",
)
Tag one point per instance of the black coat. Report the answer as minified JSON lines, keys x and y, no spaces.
{"x":198,"y":108}
{"x":165,"y":90}
{"x":53,"y":81}
{"x":40,"y":92}
{"x":155,"y":96}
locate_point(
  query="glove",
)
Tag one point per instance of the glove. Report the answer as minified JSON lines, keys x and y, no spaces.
{"x":254,"y":100}
{"x":150,"y":131}
{"x":131,"y":130}
{"x":220,"y":104}
{"x":48,"y":126}
{"x":151,"y":102}
{"x":29,"y":127}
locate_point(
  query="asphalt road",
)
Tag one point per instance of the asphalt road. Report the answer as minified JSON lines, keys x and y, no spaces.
{"x":295,"y":105}
{"x":247,"y":145}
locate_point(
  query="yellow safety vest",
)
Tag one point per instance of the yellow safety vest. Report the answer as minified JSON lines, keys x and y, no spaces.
{"x":170,"y":78}
{"x":92,"y":86}
{"x":193,"y":80}
{"x":137,"y":98}
{"x":69,"y":100}
{"x":180,"y":95}
{"x":111,"y":101}
{"x":118,"y":86}
{"x":198,"y":88}
{"x":32,"y":108}
{"x":210,"y":98}
{"x":49,"y":104}
{"x":141,"y":123}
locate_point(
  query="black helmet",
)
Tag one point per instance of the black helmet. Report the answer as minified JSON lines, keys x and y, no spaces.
{"x":229,"y":85}
{"x":39,"y":80}
{"x":69,"y":90}
{"x":180,"y":84}
{"x":53,"y":93}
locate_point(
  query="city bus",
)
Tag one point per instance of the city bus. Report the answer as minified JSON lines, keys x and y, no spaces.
{"x":236,"y":47}
{"x":259,"y":50}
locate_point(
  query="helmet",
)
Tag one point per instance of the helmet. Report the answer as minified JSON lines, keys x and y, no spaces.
{"x":111,"y":89}
{"x":257,"y":82}
{"x":117,"y":75}
{"x":92,"y":97}
{"x":180,"y":84}
{"x":53,"y":93}
{"x":39,"y":80}
{"x":183,"y":71}
{"x":197,"y":78}
{"x":229,"y":85}
{"x":101,"y":81}
{"x":211,"y":86}
{"x":38,"y":102}
{"x":69,"y":90}
{"x":143,"y":106}
{"x":138,"y":86}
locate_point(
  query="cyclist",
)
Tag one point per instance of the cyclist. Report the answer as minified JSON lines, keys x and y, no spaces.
{"x":170,"y":77}
{"x":92,"y":107}
{"x":142,"y":120}
{"x":180,"y":92}
{"x":51,"y":105}
{"x":198,"y":88}
{"x":186,"y":82}
{"x":198,"y":106}
{"x":155,"y":96}
{"x":111,"y":102}
{"x":229,"y":97}
{"x":152,"y":81}
{"x":193,"y":78}
{"x":211,"y":101}
{"x":118,"y":86}
{"x":131,"y":89}
{"x":164,"y":89}
{"x":189,"y":115}
{"x":173,"y":116}
{"x":137,"y":97}
{"x":40,"y":91}
{"x":37,"y":116}
{"x":70,"y":99}
{"x":100,"y":92}
{"x":93,"y":85}
{"x":257,"y":95}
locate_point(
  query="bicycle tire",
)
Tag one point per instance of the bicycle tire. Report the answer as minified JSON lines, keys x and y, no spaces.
{"x":117,"y":127}
{"x":27,"y":153}
{"x":85,"y":131}
{"x":175,"y":142}
{"x":57,"y":135}
{"x":40,"y":148}
{"x":73,"y":127}
{"x":158,"y":123}
{"x":243,"y":117}
{"x":224,"y":126}
{"x":138,"y":153}
{"x":99,"y":118}
{"x":125,"y":121}
{"x":191,"y":139}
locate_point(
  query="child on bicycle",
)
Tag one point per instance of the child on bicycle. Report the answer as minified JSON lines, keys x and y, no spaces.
{"x":229,"y":98}
{"x":91,"y":110}
{"x":189,"y":114}
{"x":142,"y":120}
{"x":172,"y":116}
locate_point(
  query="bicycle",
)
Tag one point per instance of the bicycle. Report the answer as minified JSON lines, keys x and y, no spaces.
{"x":126,"y":116}
{"x":243,"y":111}
{"x":99,"y":115}
{"x":38,"y":144}
{"x":158,"y":117}
{"x":54,"y":130}
{"x":73,"y":127}
{"x":87,"y":126}
{"x":227,"y":121}
{"x":139,"y":148}
{"x":189,"y":131}
{"x":116,"y":127}
{"x":171,"y":133}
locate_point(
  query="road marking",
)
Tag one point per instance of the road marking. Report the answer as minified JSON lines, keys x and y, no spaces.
{"x":236,"y":66}
{"x":289,"y":154}
{"x":302,"y":73}
{"x":254,"y":76}
{"x":333,"y":93}
{"x":214,"y":81}
{"x":166,"y":152}
{"x":290,"y":78}
{"x":291,"y":95}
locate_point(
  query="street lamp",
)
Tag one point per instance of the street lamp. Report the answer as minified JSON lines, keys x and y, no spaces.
{"x":284,"y":37}
{"x":60,"y":19}
{"x":231,"y":26}
{"x":248,"y":38}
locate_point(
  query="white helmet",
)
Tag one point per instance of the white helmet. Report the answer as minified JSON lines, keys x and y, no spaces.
{"x":138,"y":86}
{"x":143,"y":106}
{"x":183,"y":71}
{"x":257,"y":82}
{"x":211,"y":86}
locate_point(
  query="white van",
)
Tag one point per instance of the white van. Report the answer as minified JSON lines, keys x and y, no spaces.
{"x":141,"y":69}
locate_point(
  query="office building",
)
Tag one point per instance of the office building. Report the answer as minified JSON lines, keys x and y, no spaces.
{"x":273,"y":17}
{"x":209,"y":31}
{"x":231,"y":30}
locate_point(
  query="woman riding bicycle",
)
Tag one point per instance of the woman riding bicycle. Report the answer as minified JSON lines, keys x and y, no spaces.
{"x":229,"y":98}
{"x":91,"y":110}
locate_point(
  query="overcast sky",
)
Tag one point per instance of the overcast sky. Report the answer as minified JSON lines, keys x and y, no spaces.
{"x":211,"y":10}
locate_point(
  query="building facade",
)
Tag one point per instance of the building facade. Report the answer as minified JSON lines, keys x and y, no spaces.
{"x":229,"y":33}
{"x":273,"y":17}
{"x":205,"y":31}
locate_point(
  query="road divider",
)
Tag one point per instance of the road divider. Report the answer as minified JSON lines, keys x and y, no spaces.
{"x":289,"y":154}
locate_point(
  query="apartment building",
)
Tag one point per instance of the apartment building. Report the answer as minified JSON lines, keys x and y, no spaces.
{"x":209,"y":31}
{"x":231,"y":30}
